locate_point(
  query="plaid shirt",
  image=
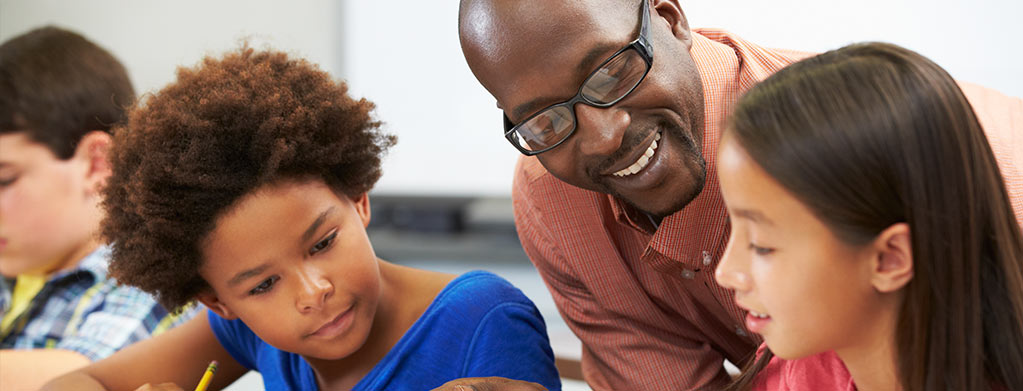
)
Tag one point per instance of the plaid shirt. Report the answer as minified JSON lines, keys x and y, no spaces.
{"x":83,"y":310}
{"x":643,"y":299}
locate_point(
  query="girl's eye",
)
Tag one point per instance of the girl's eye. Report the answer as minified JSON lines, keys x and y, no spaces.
{"x":264,"y":286}
{"x":323,"y":244}
{"x":760,"y":250}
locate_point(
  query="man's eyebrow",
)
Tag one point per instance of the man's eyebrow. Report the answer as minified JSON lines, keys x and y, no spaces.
{"x":247,"y":274}
{"x":754,"y":216}
{"x":586,"y":66}
{"x":316,"y":224}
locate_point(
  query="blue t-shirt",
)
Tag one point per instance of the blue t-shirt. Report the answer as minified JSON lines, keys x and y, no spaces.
{"x":479,"y":325}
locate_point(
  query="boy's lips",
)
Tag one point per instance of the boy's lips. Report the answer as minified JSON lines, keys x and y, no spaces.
{"x":335,"y":326}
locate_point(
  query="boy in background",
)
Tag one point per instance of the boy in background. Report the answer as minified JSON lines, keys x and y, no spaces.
{"x":59,"y":96}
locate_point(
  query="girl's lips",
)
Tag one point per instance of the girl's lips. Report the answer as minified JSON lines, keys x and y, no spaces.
{"x":756,"y":324}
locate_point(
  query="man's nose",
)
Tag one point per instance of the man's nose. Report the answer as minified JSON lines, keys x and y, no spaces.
{"x":600,"y":129}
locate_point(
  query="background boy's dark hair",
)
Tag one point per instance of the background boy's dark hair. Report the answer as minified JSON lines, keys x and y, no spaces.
{"x":222,"y":130}
{"x":57,"y":86}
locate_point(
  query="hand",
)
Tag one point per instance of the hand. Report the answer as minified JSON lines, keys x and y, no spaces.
{"x":489,"y":384}
{"x":159,"y":387}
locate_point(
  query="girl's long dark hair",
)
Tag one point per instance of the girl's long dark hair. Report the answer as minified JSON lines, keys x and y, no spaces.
{"x":873,"y":134}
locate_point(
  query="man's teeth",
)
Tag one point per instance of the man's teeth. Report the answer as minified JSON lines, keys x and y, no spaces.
{"x":759,"y":315}
{"x":642,"y":161}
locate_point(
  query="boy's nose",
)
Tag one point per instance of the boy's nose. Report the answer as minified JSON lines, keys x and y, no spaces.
{"x":314,"y":290}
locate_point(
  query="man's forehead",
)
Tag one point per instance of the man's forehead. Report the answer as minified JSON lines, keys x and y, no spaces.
{"x":501,"y":28}
{"x":518,"y":45}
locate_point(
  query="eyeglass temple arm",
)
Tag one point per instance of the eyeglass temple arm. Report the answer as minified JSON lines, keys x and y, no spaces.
{"x":508,"y":125}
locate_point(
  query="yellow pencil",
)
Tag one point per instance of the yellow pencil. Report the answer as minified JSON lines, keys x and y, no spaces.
{"x":207,"y":376}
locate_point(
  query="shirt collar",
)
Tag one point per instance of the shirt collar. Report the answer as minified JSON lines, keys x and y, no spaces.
{"x":94,"y":265}
{"x":718,"y":62}
{"x":724,"y":75}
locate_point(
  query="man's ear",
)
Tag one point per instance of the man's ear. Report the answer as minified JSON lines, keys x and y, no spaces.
{"x":211,"y":301}
{"x":93,"y":152}
{"x":892,"y":263}
{"x":671,"y":12}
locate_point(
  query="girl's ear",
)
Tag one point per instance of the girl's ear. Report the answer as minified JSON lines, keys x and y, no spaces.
{"x":892,"y":266}
{"x":211,"y":301}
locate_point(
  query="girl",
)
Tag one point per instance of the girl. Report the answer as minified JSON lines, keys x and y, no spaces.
{"x":871,"y":228}
{"x":243,"y":186}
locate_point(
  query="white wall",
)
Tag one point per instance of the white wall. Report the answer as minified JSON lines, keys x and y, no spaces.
{"x":404,"y":55}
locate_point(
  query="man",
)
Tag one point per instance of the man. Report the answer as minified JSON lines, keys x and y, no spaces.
{"x":620,"y":107}
{"x":59,"y":96}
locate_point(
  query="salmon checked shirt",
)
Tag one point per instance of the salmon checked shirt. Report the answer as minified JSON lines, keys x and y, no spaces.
{"x":643,"y":300}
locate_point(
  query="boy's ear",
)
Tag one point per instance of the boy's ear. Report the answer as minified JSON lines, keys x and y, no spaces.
{"x":211,"y":301}
{"x":892,"y":264}
{"x":94,"y":152}
{"x":361,"y":204}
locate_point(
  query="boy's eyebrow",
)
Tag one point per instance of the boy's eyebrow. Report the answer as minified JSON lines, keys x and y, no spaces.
{"x":754,"y":216}
{"x":247,"y":274}
{"x":316,"y":224}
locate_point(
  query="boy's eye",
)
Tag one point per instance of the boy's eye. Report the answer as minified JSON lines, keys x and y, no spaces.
{"x":760,"y":250}
{"x":7,"y":181}
{"x":264,"y":286}
{"x":323,"y":244}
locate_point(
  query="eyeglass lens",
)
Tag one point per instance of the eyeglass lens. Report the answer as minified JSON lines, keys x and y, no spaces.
{"x":611,"y":82}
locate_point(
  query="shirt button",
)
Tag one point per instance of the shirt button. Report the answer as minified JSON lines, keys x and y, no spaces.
{"x":688,"y":274}
{"x":740,"y":331}
{"x":706,"y":258}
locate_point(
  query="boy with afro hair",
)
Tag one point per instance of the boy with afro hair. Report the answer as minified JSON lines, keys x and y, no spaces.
{"x":243,"y":185}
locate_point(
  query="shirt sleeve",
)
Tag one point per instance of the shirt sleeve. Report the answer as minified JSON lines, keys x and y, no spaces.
{"x":1001,"y":116}
{"x":620,"y":352}
{"x":511,"y":341}
{"x":111,"y":320}
{"x":237,"y":339}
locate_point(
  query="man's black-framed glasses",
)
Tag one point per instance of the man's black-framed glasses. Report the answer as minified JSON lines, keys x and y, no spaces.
{"x":611,"y":82}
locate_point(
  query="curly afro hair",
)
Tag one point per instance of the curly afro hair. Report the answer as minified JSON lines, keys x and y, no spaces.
{"x":224,"y":129}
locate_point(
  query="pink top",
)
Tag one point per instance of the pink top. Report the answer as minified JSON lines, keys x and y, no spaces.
{"x":824,"y":371}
